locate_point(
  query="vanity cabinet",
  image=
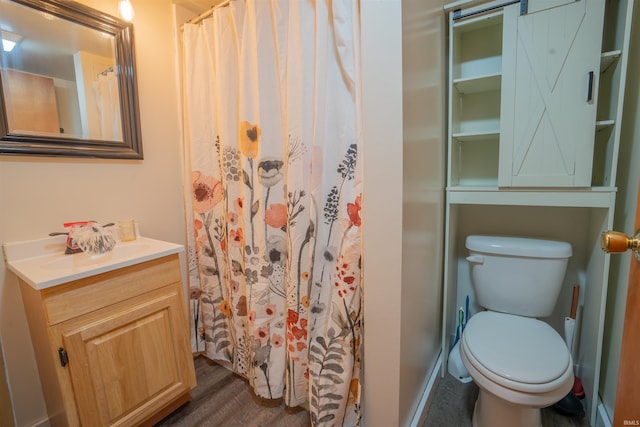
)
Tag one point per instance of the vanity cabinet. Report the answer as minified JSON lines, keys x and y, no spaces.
{"x":534,"y":112}
{"x":113,"y":348}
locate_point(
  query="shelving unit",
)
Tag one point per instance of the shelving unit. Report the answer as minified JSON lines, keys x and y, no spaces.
{"x":476,"y":79}
{"x":477,"y":49}
{"x":615,"y":47}
{"x":481,"y":81}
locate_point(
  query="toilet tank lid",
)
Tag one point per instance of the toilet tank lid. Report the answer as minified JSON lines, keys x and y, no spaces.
{"x":519,"y":246}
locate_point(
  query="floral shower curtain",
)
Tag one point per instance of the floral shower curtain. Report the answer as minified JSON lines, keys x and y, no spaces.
{"x":273,"y":146}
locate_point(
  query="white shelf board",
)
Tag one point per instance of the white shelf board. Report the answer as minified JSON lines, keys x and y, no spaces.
{"x":475,"y":136}
{"x":478,"y":84}
{"x":603,"y":124}
{"x":596,"y":197}
{"x":608,"y":58}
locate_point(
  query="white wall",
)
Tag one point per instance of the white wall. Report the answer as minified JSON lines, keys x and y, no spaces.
{"x":38,"y":194}
{"x":382,"y":215}
{"x":628,"y":179}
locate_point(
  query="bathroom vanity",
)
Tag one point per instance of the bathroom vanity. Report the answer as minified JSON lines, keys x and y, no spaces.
{"x":110,"y":334}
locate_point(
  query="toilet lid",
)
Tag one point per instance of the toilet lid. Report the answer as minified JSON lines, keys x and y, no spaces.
{"x":521,"y":349}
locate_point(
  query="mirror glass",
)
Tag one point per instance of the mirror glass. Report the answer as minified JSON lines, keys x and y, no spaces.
{"x":67,"y":81}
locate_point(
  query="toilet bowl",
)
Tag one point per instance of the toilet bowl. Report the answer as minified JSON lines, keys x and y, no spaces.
{"x":520,"y":363}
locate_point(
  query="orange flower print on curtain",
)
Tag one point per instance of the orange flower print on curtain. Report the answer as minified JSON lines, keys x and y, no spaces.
{"x":207,"y":192}
{"x":249,"y":139}
{"x":206,"y":195}
{"x":353,"y":210}
{"x":276,"y":216}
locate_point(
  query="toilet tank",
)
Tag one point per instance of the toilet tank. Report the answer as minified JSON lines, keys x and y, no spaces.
{"x":517,"y":275}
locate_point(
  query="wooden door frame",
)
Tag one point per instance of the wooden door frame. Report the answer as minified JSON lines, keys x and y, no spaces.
{"x":627,"y":408}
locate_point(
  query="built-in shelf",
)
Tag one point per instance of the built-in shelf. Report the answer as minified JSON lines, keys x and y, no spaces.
{"x":596,"y":197}
{"x":475,"y":95}
{"x":603,"y":124}
{"x":475,"y":136}
{"x":608,"y":59}
{"x":478,"y":84}
{"x":477,"y":46}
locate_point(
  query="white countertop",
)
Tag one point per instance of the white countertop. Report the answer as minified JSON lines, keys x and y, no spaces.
{"x":42,"y":263}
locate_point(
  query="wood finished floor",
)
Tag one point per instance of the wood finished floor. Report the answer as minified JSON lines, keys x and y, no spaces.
{"x":222,"y":398}
{"x":452,"y":406}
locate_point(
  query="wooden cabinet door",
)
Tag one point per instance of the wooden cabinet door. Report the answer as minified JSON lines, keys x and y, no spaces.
{"x":31,"y":103}
{"x":126,"y":363}
{"x":551,"y":63}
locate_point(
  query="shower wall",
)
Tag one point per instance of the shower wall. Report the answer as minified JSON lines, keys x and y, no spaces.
{"x":423,"y":172}
{"x":403,"y":48}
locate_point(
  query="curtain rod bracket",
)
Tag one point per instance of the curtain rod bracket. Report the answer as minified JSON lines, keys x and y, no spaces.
{"x":207,"y":13}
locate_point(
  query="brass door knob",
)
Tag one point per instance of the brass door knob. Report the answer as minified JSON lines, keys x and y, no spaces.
{"x":616,"y":242}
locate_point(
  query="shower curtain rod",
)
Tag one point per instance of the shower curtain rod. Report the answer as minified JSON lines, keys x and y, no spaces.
{"x":208,"y":13}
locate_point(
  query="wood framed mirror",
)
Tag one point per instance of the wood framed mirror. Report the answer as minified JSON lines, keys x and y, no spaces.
{"x":68,"y":82}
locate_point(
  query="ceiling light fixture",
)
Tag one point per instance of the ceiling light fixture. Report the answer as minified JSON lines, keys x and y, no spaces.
{"x":8,"y":45}
{"x":126,"y":10}
{"x":9,"y":40}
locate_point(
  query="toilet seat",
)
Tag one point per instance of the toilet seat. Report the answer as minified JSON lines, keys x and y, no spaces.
{"x":520,"y":353}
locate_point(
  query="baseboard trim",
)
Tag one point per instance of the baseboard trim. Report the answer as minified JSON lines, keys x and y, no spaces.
{"x":42,"y":422}
{"x":420,"y":413}
{"x":602,"y":417}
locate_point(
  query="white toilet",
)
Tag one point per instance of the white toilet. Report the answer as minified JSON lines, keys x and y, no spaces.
{"x":520,"y":364}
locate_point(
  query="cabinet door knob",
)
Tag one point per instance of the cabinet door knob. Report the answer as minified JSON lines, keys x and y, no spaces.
{"x":616,"y":242}
{"x":64,"y":357}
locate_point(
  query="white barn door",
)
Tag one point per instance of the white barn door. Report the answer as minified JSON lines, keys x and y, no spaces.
{"x":549,"y":94}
